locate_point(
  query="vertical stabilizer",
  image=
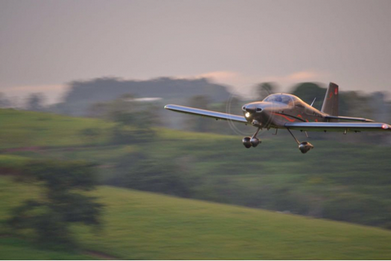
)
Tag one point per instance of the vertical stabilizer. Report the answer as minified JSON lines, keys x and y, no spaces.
{"x":330,"y":102}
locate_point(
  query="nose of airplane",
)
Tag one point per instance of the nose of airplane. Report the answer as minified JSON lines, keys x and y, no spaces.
{"x":250,"y":110}
{"x":251,"y":107}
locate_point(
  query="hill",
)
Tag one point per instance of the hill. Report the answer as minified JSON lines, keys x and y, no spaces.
{"x":343,"y":181}
{"x":32,"y":129}
{"x":337,"y":180}
{"x":141,"y":225}
{"x":82,"y":94}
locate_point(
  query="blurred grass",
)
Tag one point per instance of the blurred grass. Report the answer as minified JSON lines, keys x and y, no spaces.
{"x":141,"y":225}
{"x":27,"y":129}
{"x":332,"y":168}
{"x":12,"y":161}
{"x":17,"y":249}
{"x":150,"y":226}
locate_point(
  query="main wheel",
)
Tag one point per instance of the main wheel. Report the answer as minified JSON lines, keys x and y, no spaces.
{"x":305,"y":146}
{"x":254,"y":142}
{"x":246,"y":142}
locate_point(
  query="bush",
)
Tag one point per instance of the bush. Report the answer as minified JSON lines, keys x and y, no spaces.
{"x":61,"y":203}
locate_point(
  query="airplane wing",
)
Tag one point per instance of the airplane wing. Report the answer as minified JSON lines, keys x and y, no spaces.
{"x":344,"y":118}
{"x":338,"y":126}
{"x":206,"y":113}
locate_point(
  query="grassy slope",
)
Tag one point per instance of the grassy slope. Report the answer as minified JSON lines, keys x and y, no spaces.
{"x":26,"y":129}
{"x":147,"y":226}
{"x":213,"y":151}
{"x":188,"y":229}
{"x":11,"y":248}
{"x":142,"y":225}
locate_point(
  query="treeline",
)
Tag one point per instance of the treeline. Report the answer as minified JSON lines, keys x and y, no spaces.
{"x":99,"y":97}
{"x":82,"y":95}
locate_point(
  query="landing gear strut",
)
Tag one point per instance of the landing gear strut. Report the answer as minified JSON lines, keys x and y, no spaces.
{"x":253,"y":141}
{"x":304,"y":146}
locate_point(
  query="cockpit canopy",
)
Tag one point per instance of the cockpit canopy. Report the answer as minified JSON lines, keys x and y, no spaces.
{"x":282,"y":98}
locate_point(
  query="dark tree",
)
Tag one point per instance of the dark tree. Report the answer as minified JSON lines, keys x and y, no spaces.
{"x":90,"y":134}
{"x":61,"y":203}
{"x":4,"y":101}
{"x":140,"y":171}
{"x":308,"y":91}
{"x":264,"y":89}
{"x":35,"y":102}
{"x":126,"y":110}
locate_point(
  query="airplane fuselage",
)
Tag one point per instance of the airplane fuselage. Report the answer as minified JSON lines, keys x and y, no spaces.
{"x":278,"y":109}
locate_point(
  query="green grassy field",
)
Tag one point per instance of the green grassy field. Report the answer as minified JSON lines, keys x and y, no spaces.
{"x":229,"y":172}
{"x":12,"y":248}
{"x":141,"y":225}
{"x":27,"y":129}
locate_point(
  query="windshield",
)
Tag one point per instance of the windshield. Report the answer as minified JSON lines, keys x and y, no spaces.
{"x":282,"y":98}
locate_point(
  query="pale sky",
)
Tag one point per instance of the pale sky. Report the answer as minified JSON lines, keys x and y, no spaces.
{"x":45,"y":44}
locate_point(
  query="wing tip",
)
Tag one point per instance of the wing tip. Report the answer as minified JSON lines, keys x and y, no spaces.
{"x":168,"y":106}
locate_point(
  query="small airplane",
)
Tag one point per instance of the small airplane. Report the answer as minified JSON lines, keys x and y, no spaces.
{"x":287,"y":111}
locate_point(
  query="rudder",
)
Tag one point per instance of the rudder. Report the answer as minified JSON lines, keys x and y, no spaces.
{"x":330,"y":102}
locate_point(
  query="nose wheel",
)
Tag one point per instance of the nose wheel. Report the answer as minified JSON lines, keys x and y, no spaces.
{"x":253,"y":141}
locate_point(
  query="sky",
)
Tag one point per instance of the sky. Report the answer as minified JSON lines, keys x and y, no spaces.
{"x":46,"y":44}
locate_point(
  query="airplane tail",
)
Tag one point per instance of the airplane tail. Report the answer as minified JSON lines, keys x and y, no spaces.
{"x":330,"y":102}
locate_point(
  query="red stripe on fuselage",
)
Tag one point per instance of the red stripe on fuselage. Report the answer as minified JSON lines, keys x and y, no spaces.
{"x":284,"y":116}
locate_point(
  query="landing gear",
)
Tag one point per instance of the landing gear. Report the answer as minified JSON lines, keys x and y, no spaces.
{"x":246,"y":142}
{"x":304,"y":146}
{"x":253,"y":141}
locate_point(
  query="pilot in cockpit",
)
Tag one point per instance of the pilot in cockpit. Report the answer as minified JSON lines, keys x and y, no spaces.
{"x":278,"y":98}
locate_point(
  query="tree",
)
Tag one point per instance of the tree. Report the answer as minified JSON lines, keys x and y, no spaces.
{"x":35,"y":102}
{"x":4,"y":101}
{"x":127,"y":111}
{"x":97,"y":110}
{"x":143,"y":172}
{"x":308,"y":91}
{"x":61,"y":203}
{"x":90,"y":134}
{"x":264,"y":89}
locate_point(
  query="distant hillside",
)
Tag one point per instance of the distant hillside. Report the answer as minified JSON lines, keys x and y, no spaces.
{"x":84,"y":93}
{"x":345,"y":181}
